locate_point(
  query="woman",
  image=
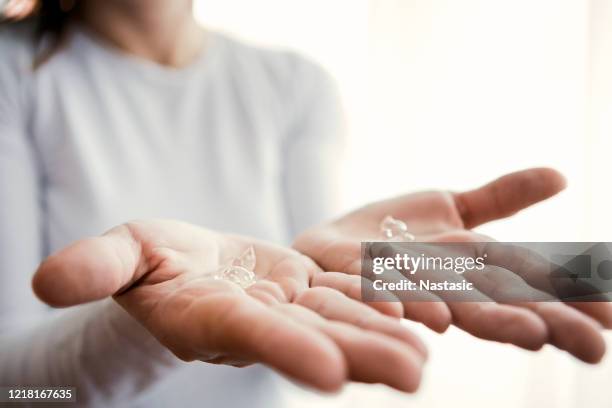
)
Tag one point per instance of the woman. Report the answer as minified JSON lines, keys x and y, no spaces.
{"x":132,"y":110}
{"x":129,"y":109}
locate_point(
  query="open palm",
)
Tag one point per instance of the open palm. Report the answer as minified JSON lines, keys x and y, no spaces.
{"x":294,"y":318}
{"x":439,"y":216}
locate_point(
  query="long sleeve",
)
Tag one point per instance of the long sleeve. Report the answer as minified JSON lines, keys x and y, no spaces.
{"x":313,"y":149}
{"x":20,"y":232}
{"x":97,"y":348}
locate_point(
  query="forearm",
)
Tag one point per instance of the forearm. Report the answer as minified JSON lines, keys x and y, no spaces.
{"x":97,"y":348}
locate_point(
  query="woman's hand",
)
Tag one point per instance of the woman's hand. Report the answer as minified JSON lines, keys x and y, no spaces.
{"x":292,"y":318}
{"x":447,"y":217}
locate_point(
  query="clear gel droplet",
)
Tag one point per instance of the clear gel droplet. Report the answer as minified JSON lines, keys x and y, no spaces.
{"x":247,"y":260}
{"x":236,"y":274}
{"x":395,"y":230}
{"x":240,"y":270}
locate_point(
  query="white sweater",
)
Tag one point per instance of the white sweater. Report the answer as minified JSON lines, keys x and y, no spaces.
{"x":243,"y":140}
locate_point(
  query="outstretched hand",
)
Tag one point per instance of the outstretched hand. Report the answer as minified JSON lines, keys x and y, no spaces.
{"x":294,"y":318}
{"x":439,"y":216}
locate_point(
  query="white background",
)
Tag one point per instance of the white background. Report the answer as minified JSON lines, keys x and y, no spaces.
{"x":449,"y":94}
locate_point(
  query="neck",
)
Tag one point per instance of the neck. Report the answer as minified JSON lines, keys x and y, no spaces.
{"x":163,"y":31}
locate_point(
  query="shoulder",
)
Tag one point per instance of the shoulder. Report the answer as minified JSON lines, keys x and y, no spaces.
{"x":17,"y":47}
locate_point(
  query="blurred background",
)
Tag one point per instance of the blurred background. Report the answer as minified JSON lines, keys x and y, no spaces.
{"x":449,"y":94}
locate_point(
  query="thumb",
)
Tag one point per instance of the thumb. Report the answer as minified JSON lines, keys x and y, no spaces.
{"x":508,"y":195}
{"x":90,"y":269}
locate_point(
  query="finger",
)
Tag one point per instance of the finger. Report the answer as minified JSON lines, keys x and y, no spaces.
{"x":477,"y":313}
{"x":430,"y":311}
{"x":529,"y":265}
{"x":472,"y":310}
{"x":246,"y":328}
{"x":571,"y":330}
{"x":508,"y":195}
{"x":502,"y":323}
{"x":334,"y":305}
{"x":423,"y":307}
{"x":504,"y":286}
{"x":600,"y":311}
{"x":536,"y":270}
{"x":568,"y":329}
{"x":371,"y":357}
{"x":90,"y":269}
{"x":350,"y":285}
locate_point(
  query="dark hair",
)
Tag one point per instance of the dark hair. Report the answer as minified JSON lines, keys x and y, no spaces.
{"x":51,"y":19}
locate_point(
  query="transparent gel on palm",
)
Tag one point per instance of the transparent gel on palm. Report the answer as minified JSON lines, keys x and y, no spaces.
{"x":395,"y":230}
{"x":240,"y":270}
